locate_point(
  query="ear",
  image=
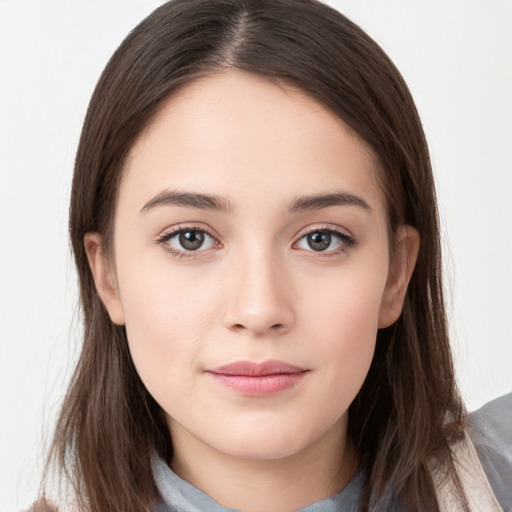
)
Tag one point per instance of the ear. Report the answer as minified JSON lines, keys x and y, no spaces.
{"x":407,"y":244}
{"x":104,"y":277}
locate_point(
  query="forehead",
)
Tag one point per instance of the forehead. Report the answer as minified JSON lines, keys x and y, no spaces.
{"x":236,"y":134}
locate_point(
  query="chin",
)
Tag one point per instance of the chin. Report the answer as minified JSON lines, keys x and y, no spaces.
{"x":263,"y":443}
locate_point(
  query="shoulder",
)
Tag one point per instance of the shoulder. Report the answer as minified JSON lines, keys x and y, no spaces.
{"x":42,"y":506}
{"x":497,"y":413}
{"x":491,"y":431}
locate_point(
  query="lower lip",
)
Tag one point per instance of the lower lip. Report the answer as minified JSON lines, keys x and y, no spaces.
{"x":261,"y":385}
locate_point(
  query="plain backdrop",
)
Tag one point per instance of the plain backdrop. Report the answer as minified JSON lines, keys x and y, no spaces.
{"x":456,"y":56}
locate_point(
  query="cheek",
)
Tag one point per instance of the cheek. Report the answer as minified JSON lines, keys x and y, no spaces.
{"x":347,"y":303}
{"x":344,"y":321}
{"x":164,"y":330}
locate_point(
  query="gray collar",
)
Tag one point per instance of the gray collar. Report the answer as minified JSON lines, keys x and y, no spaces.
{"x":180,"y":496}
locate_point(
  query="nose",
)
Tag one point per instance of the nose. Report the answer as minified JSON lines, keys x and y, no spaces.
{"x":259,"y":301}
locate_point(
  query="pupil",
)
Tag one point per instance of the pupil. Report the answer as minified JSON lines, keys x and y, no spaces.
{"x":191,"y":240}
{"x":319,"y":241}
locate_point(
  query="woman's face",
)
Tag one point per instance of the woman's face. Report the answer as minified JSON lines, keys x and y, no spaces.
{"x":250,"y":266}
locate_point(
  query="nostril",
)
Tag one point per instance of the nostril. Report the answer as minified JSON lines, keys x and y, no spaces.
{"x":276,"y":328}
{"x":260,"y":318}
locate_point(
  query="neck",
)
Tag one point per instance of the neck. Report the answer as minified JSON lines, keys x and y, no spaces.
{"x":277,"y":485}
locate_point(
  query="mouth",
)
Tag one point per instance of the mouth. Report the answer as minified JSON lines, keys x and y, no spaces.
{"x":258,"y":379}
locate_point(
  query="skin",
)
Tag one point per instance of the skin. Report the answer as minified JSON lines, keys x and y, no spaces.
{"x":256,"y":290}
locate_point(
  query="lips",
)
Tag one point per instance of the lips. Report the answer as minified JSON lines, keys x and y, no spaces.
{"x":258,"y":379}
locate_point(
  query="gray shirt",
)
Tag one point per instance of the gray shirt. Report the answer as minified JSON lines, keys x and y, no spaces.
{"x":490,"y":429}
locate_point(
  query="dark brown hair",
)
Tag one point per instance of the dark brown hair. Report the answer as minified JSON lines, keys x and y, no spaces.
{"x":408,"y":412}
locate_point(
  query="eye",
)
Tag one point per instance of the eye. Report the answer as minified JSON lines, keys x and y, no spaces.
{"x":326,"y":241}
{"x":186,"y":240}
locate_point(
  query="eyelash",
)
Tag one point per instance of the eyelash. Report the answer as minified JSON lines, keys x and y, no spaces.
{"x":347,"y":242}
{"x":167,"y":236}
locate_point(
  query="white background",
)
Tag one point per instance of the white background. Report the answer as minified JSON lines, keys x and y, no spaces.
{"x":456,"y":56}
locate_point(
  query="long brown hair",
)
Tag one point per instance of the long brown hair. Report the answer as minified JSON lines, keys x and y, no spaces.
{"x":408,"y":412}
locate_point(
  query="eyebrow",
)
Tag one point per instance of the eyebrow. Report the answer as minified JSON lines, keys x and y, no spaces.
{"x":188,"y":200}
{"x":216,"y":203}
{"x":319,"y":201}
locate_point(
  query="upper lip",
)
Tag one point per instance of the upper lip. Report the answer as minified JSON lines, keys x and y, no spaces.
{"x":253,"y":369}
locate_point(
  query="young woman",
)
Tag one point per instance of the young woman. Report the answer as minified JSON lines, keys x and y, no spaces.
{"x":254,"y":224}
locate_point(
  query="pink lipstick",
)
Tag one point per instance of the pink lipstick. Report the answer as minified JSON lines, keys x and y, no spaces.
{"x":258,"y":379}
